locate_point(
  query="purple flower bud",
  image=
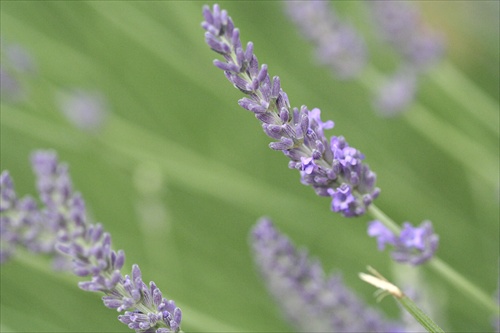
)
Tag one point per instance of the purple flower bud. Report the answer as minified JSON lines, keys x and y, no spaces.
{"x":215,"y":44}
{"x":225,"y":66}
{"x":235,"y":39}
{"x":283,"y":144}
{"x":249,"y":52}
{"x":276,"y":87}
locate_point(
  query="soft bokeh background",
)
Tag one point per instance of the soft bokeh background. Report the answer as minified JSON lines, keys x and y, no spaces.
{"x":179,"y":173}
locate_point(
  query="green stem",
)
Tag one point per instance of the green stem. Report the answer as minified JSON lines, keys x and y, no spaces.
{"x":456,"y":279}
{"x":419,"y":315}
{"x":464,"y":285}
{"x":386,"y":220}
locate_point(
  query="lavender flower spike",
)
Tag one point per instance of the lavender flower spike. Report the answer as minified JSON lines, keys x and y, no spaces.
{"x":311,"y":301}
{"x":331,"y":167}
{"x":61,"y":225}
{"x":414,"y":245}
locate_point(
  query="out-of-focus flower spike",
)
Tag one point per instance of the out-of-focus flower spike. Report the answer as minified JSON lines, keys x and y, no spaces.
{"x":311,"y":301}
{"x":337,"y":43}
{"x":400,"y":24}
{"x":16,"y":64}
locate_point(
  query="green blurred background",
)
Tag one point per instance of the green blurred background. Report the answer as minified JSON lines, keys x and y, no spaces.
{"x":180,"y":173}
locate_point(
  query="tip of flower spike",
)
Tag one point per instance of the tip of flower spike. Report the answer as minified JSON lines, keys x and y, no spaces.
{"x":44,"y":161}
{"x":263,"y":227}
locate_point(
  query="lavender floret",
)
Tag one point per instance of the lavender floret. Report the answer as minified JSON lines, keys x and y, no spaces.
{"x":60,"y":227}
{"x":414,"y":245}
{"x":311,"y":301}
{"x":329,"y":166}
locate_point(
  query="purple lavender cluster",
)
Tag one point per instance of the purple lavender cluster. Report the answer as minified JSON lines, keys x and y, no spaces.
{"x":331,"y":167}
{"x":61,"y":227}
{"x":338,"y":45}
{"x":310,"y":300}
{"x":414,"y":245}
